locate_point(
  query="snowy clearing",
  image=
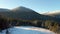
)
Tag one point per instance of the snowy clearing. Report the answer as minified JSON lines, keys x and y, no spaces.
{"x":27,"y":30}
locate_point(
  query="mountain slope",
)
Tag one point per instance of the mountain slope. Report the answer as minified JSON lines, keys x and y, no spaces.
{"x":25,"y":13}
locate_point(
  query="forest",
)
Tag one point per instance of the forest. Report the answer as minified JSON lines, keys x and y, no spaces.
{"x":6,"y":23}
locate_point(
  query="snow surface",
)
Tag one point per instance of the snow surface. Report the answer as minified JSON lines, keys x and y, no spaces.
{"x":27,"y":30}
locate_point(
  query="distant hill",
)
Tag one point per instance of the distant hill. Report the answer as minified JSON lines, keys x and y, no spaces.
{"x":4,"y":10}
{"x":53,"y":14}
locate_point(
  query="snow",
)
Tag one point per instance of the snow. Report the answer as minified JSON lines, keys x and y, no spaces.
{"x":27,"y":30}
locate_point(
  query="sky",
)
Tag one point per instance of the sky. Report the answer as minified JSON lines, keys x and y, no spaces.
{"x":40,"y":6}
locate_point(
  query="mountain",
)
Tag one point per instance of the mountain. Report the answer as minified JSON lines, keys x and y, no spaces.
{"x":29,"y":14}
{"x":24,"y":14}
{"x":20,"y":13}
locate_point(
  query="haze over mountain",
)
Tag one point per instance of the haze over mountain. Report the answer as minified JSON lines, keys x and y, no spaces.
{"x":54,"y":13}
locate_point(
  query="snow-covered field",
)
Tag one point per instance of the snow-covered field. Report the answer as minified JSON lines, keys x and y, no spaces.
{"x":27,"y":30}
